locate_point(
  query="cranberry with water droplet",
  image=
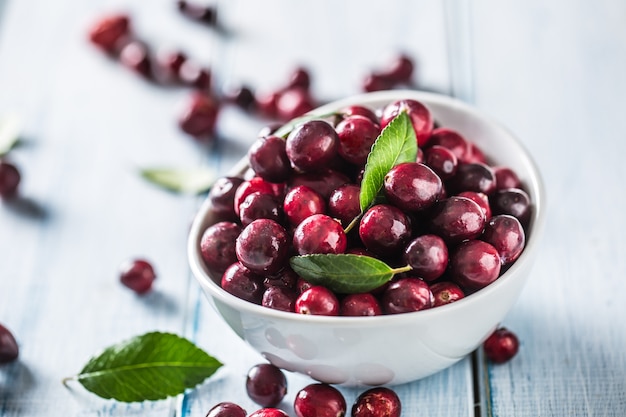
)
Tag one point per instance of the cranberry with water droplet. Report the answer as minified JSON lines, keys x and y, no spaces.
{"x":412,"y":187}
{"x":222,"y":197}
{"x":279,"y":298}
{"x":268,"y":158}
{"x":506,"y":234}
{"x":360,"y":305}
{"x":446,"y":292}
{"x":384,"y":229}
{"x":344,"y":203}
{"x":428,"y":256}
{"x":512,"y":201}
{"x":302,"y":202}
{"x":356,"y":135}
{"x":259,"y":206}
{"x":456,"y":219}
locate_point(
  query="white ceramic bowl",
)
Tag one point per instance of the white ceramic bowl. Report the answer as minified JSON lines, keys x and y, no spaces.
{"x":389,"y":349}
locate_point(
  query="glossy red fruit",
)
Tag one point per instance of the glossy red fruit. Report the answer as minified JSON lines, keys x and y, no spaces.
{"x":227,"y":409}
{"x":263,"y":246}
{"x":319,"y":233}
{"x":384,"y":229}
{"x":501,"y":346}
{"x":259,"y":206}
{"x":108,"y":31}
{"x":412,"y":187}
{"x":452,"y":140}
{"x":356,"y":135}
{"x":420,"y":116}
{"x":428,"y":256}
{"x":376,"y":82}
{"x":344,"y":204}
{"x":506,"y":234}
{"x":356,"y":110}
{"x":456,"y":219}
{"x":302,"y":202}
{"x":167,"y":65}
{"x":279,"y":298}
{"x":400,"y":69}
{"x":9,"y":350}
{"x":317,"y":300}
{"x":479,"y":198}
{"x":442,"y":161}
{"x":475,"y":264}
{"x":138,"y":275}
{"x":300,"y":77}
{"x":323,"y":182}
{"x":199,"y":116}
{"x":9,"y":179}
{"x":506,"y":178}
{"x":268,"y":158}
{"x":312,"y":145}
{"x":377,"y":402}
{"x":269,"y":412}
{"x":446,"y":292}
{"x":216,"y":245}
{"x":406,"y":295}
{"x":266,"y":384}
{"x":360,"y":305}
{"x":194,"y":75}
{"x":253,"y":185}
{"x":243,"y":283}
{"x":473,"y":177}
{"x":136,"y":56}
{"x":294,"y":102}
{"x":319,"y":400}
{"x":512,"y":201}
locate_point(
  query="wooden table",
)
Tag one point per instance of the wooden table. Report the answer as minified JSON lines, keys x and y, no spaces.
{"x":552,"y":72}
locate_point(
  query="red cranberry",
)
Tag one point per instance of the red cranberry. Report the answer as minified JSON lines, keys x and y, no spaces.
{"x":501,"y":346}
{"x":400,"y":69}
{"x":479,"y":198}
{"x":269,"y":412}
{"x":512,"y":201}
{"x":263,"y":246}
{"x":222,"y":196}
{"x":259,"y":206}
{"x":136,"y":56}
{"x":442,"y":161}
{"x":194,"y":75}
{"x":317,"y":300}
{"x":357,"y":110}
{"x":302,"y":285}
{"x":199,"y":12}
{"x":475,"y":264}
{"x":406,"y":295}
{"x":356,"y":135}
{"x":199,"y":116}
{"x":312,"y":145}
{"x":108,"y":31}
{"x":9,"y":350}
{"x":452,"y":140}
{"x":344,"y":203}
{"x":319,"y":233}
{"x":254,"y":185}
{"x":294,"y":102}
{"x":412,"y":186}
{"x":216,"y":245}
{"x":506,"y":178}
{"x":302,"y":202}
{"x":421,"y":118}
{"x":242,"y":97}
{"x":266,"y":385}
{"x":266,"y":103}
{"x":384,"y":229}
{"x":446,"y":292}
{"x":360,"y":305}
{"x":227,"y":409}
{"x":428,"y":256}
{"x":324,"y":182}
{"x":168,"y":63}
{"x":506,"y":234}
{"x":138,"y":275}
{"x":300,"y":77}
{"x":377,"y":402}
{"x":9,"y":179}
{"x":457,"y":218}
{"x":243,"y":283}
{"x":285,"y":278}
{"x":319,"y":400}
{"x":268,"y":158}
{"x":475,"y":155}
{"x":474,"y":177}
{"x":376,"y":82}
{"x":279,"y":298}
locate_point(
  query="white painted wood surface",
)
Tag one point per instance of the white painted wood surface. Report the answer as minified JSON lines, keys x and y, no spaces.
{"x":553,"y":73}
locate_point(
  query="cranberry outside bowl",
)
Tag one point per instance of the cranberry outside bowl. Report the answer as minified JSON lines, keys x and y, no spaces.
{"x":397,"y":348}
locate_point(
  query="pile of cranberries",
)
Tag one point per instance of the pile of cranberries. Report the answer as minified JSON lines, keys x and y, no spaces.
{"x":456,"y":220}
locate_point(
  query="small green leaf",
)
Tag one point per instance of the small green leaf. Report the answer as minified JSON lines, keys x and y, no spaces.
{"x":395,"y":144}
{"x":284,"y":130}
{"x":153,"y":366}
{"x":191,"y":181}
{"x":344,"y":273}
{"x":9,"y":133}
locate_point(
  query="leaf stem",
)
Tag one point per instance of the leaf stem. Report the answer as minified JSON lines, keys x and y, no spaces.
{"x":353,"y":223}
{"x":68,"y":379}
{"x":401,"y":269}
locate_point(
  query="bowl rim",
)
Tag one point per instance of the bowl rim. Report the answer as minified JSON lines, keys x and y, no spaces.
{"x":537,"y":223}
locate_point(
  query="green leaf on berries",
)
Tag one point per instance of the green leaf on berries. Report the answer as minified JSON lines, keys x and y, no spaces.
{"x":9,"y":133}
{"x":395,"y":144}
{"x":189,"y":181}
{"x":286,"y":129}
{"x":344,"y":273}
{"x":153,"y":366}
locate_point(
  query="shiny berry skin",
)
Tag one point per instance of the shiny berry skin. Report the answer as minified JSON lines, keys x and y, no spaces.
{"x":446,"y":292}
{"x":294,"y":102}
{"x":285,"y":278}
{"x":300,"y":77}
{"x":268,"y":158}
{"x":269,"y":412}
{"x":356,"y":135}
{"x":253,"y":185}
{"x":319,"y":233}
{"x":377,"y":402}
{"x":384,"y":229}
{"x":452,"y":140}
{"x":199,"y":116}
{"x":136,"y":57}
{"x":412,"y":187}
{"x":222,"y":197}
{"x":479,"y":198}
{"x":506,"y":234}
{"x":324,"y":182}
{"x":474,"y":265}
{"x":227,"y":409}
{"x":428,"y":256}
{"x":319,"y":400}
{"x":216,"y":245}
{"x":319,"y":301}
{"x":9,"y":350}
{"x":456,"y":219}
{"x":279,"y":298}
{"x":263,"y":246}
{"x":243,"y":283}
{"x":513,"y":201}
{"x":501,"y":346}
{"x":442,"y":161}
{"x":419,"y":114}
{"x":344,"y":204}
{"x":259,"y":206}
{"x":474,"y":177}
{"x":312,"y":145}
{"x":406,"y":295}
{"x":506,"y":178}
{"x":9,"y":179}
{"x":360,"y":305}
{"x":194,"y":75}
{"x":138,"y":275}
{"x":357,"y":110}
{"x":400,"y":69}
{"x":266,"y":384}
{"x":302,"y":202}
{"x":108,"y":31}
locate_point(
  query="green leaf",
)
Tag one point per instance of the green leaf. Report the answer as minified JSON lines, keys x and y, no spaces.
{"x":395,"y":144}
{"x":153,"y":366}
{"x":344,"y":273}
{"x":9,"y":133}
{"x":284,"y":130}
{"x":191,"y":181}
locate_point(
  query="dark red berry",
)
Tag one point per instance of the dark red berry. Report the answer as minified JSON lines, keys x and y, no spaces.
{"x":194,"y":75}
{"x":227,"y":409}
{"x":442,"y":161}
{"x":216,"y":245}
{"x":108,"y":31}
{"x":312,"y":145}
{"x":324,"y":182}
{"x":9,"y":179}
{"x":360,"y":305}
{"x":446,"y":292}
{"x":263,"y":246}
{"x":319,"y":400}
{"x":259,"y":206}
{"x":243,"y":283}
{"x":300,"y":77}
{"x":9,"y":350}
{"x":377,"y":82}
{"x":269,"y":412}
{"x":136,"y":56}
{"x":457,"y":218}
{"x":222,"y":197}
{"x":198,"y":12}
{"x":266,"y":385}
{"x":302,"y":202}
{"x":344,"y":203}
{"x":501,"y":346}
{"x":138,"y":275}
{"x":357,"y":110}
{"x":377,"y":402}
{"x":294,"y":102}
{"x":407,"y":295}
{"x":420,"y":116}
{"x":428,"y":256}
{"x":356,"y":135}
{"x":285,"y":278}
{"x":317,"y":300}
{"x":268,"y":158}
{"x":199,"y":116}
{"x":319,"y":233}
{"x":506,"y":178}
{"x":475,"y":264}
{"x":400,"y":69}
{"x":279,"y":298}
{"x":473,"y":177}
{"x":452,"y":140}
{"x":253,"y":185}
{"x":479,"y":198}
{"x":506,"y":234}
{"x":412,"y":187}
{"x":512,"y":201}
{"x":384,"y":229}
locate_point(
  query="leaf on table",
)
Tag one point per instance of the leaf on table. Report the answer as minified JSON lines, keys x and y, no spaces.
{"x":190,"y":181}
{"x":10,"y":127}
{"x":395,"y":144}
{"x":284,"y":130}
{"x":152,"y":366}
{"x":343,"y":273}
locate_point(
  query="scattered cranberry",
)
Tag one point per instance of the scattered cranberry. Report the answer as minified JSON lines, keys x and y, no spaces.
{"x":300,"y":77}
{"x":446,"y":292}
{"x":475,"y":264}
{"x":194,"y":75}
{"x":407,"y":295}
{"x":243,"y":283}
{"x":168,"y":63}
{"x":136,"y":56}
{"x":377,"y":82}
{"x":312,"y":145}
{"x":360,"y":305}
{"x":199,"y":116}
{"x":227,"y":409}
{"x":8,"y":346}
{"x":377,"y":402}
{"x":216,"y":245}
{"x":319,"y":400}
{"x":242,"y":97}
{"x":318,"y":300}
{"x":269,"y":412}
{"x":319,"y":233}
{"x":108,"y":31}
{"x":262,"y":246}
{"x":9,"y":179}
{"x":400,"y":69}
{"x":294,"y":102}
{"x":266,"y":385}
{"x":138,"y":275}
{"x":501,"y":346}
{"x":198,"y":12}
